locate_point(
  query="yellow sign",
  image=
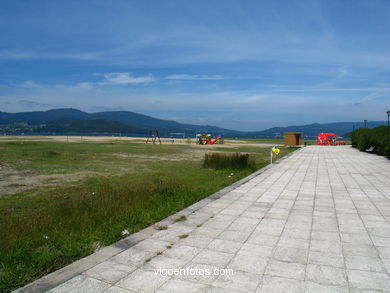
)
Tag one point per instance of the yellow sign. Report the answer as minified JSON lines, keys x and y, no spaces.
{"x":275,"y":150}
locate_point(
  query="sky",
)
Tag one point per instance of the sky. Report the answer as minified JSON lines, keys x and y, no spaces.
{"x":244,"y":65}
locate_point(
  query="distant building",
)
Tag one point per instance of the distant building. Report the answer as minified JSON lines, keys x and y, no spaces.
{"x":293,"y":138}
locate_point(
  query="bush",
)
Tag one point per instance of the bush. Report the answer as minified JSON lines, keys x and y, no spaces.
{"x":378,"y":137}
{"x":229,"y":161}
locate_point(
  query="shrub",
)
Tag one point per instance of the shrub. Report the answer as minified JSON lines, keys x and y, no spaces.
{"x":229,"y":161}
{"x":378,"y":137}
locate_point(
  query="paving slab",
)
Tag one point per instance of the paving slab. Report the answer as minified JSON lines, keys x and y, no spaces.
{"x":317,"y":221}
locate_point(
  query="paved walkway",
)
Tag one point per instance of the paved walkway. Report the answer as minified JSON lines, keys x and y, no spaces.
{"x":319,"y":221}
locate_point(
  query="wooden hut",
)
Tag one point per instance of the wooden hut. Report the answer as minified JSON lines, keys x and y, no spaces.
{"x":293,"y":138}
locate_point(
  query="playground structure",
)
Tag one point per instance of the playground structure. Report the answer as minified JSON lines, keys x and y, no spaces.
{"x":208,"y":139}
{"x":328,"y":139}
{"x":153,"y":136}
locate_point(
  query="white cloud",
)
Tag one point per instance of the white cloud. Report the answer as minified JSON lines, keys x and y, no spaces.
{"x":29,"y":84}
{"x":342,"y":71}
{"x":84,"y":85}
{"x":194,"y":77}
{"x":126,"y":78}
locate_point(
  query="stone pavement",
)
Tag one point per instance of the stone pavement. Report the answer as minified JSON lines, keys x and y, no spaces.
{"x":319,"y":221}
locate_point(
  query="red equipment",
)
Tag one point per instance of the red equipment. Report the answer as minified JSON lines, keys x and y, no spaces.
{"x":328,"y":139}
{"x":207,"y":139}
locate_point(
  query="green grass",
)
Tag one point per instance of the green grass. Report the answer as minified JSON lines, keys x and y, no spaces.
{"x":44,"y":229}
{"x":54,"y":157}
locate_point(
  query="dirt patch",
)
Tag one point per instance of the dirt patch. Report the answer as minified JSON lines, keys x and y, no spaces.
{"x":193,"y":155}
{"x":14,"y":181}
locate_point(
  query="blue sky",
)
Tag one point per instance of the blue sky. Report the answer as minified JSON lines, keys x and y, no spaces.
{"x":245,"y":65}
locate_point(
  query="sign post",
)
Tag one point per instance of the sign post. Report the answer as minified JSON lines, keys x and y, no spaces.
{"x":274,"y":152}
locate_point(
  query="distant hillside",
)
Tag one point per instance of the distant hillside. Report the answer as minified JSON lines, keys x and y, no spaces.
{"x":89,"y":126}
{"x":311,"y":130}
{"x":128,"y":123}
{"x":72,"y":120}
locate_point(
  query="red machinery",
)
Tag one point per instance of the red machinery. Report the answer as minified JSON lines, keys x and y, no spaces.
{"x":207,"y":139}
{"x":328,"y":139}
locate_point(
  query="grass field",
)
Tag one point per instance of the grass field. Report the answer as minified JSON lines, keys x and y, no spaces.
{"x":65,"y":200}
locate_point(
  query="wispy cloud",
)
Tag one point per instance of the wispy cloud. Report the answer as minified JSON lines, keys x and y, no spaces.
{"x":332,"y":90}
{"x":125,"y":78}
{"x":33,"y":104}
{"x":29,"y":84}
{"x":193,"y":77}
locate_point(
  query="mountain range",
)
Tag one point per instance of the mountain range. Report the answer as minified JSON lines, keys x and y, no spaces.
{"x":73,"y":121}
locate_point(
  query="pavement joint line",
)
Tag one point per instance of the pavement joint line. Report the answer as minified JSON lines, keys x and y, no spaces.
{"x":338,"y":224}
{"x":66,"y":273}
{"x":312,"y":220}
{"x":365,"y":228}
{"x":269,"y":208}
{"x":275,"y":247}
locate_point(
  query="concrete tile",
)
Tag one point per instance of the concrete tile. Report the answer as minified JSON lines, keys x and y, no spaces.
{"x":212,"y":257}
{"x":286,"y":270}
{"x":219,"y":225}
{"x":169,"y":235}
{"x":249,"y":264}
{"x":381,"y":241}
{"x":326,"y":236}
{"x":225,"y":246}
{"x":360,"y":238}
{"x":163,"y":262}
{"x":198,"y":241}
{"x":144,"y":281}
{"x":110,"y":271}
{"x":386,"y":263}
{"x":199,"y":273}
{"x":294,"y":242}
{"x":320,"y":258}
{"x":152,"y":245}
{"x":206,"y":232}
{"x":115,"y":289}
{"x":278,"y":285}
{"x":179,"y":286}
{"x":81,"y":284}
{"x":133,"y":257}
{"x":237,"y":236}
{"x":357,"y":290}
{"x":255,"y":250}
{"x":263,"y":239}
{"x":363,"y":263}
{"x":273,"y":231}
{"x":242,"y":220}
{"x":289,"y":254}
{"x":369,"y":280}
{"x":359,"y":250}
{"x":326,"y":275}
{"x":384,"y":252}
{"x":297,"y":233}
{"x":326,"y":247}
{"x":183,"y":252}
{"x":237,"y":226}
{"x":213,"y":289}
{"x":242,"y":281}
{"x":232,"y":212}
{"x":311,"y":287}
